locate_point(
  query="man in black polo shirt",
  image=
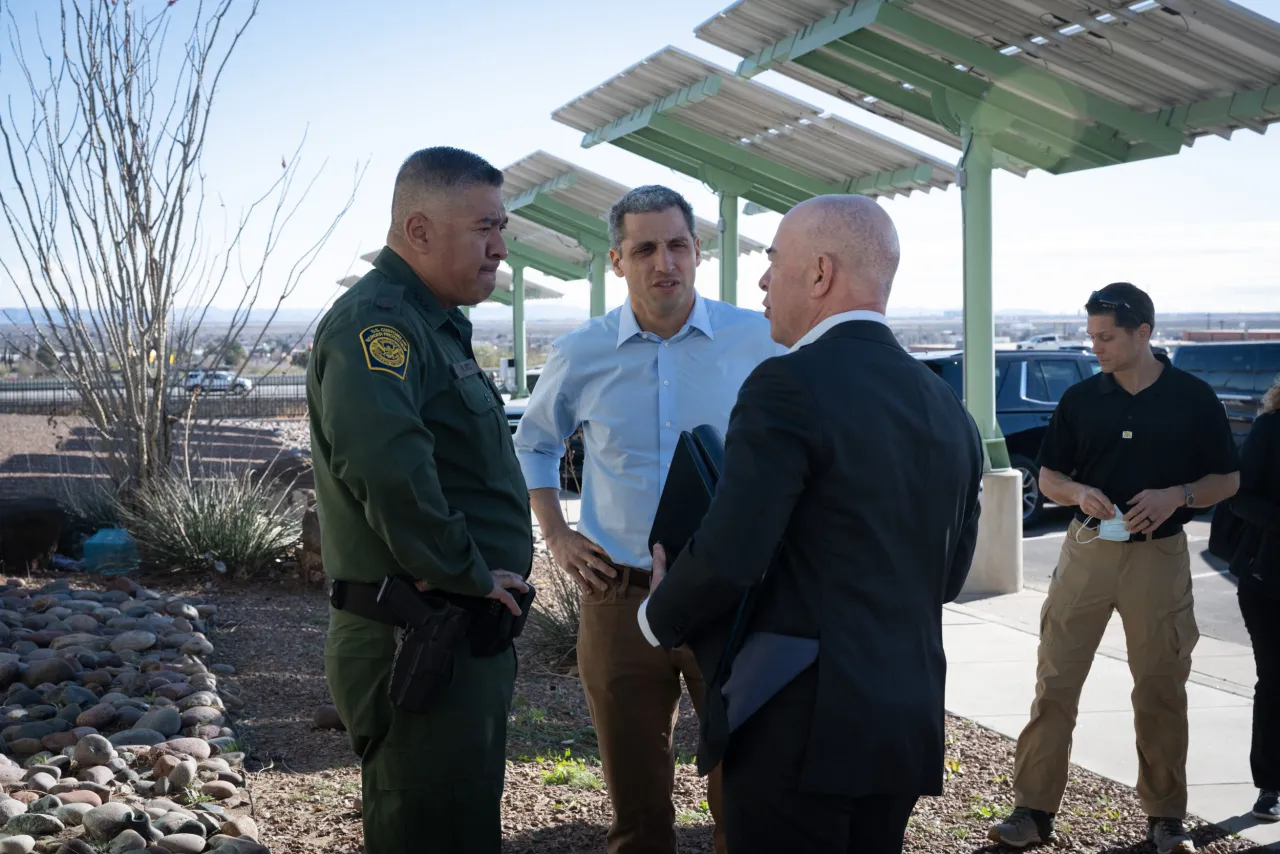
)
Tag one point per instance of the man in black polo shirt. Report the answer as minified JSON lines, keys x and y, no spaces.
{"x":1136,"y":449}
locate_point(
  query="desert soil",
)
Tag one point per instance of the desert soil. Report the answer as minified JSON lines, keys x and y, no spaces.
{"x":306,"y":779}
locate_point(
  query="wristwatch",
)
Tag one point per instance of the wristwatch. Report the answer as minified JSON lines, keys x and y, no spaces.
{"x":1191,"y":499}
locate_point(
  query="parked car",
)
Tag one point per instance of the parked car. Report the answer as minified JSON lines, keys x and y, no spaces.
{"x":1238,"y":371}
{"x":224,"y":382}
{"x":571,"y":464}
{"x":1029,"y":384}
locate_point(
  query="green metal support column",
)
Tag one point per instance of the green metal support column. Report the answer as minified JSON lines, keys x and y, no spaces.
{"x":729,"y":248}
{"x":465,"y":309}
{"x":520,"y":346}
{"x":979,"y":322}
{"x":596,"y":278}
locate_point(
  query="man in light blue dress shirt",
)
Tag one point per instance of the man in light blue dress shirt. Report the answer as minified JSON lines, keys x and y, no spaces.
{"x":667,"y":360}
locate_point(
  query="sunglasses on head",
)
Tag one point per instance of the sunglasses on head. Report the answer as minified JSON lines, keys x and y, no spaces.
{"x":1098,"y":300}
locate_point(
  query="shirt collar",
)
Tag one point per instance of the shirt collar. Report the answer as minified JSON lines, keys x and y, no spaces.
{"x":391,"y":265}
{"x":828,"y":323}
{"x":1107,"y":383}
{"x":699,"y":318}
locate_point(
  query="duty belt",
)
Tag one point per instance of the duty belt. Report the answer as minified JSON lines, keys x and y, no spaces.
{"x":361,"y":598}
{"x":490,"y":627}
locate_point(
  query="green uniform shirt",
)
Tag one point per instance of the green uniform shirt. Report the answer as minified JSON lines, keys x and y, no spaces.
{"x":414,"y":466}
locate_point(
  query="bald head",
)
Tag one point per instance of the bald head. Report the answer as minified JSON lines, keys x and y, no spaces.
{"x":860,"y":238}
{"x":831,"y":254}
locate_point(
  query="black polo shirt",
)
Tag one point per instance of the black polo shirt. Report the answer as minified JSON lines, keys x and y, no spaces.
{"x":1171,"y":433}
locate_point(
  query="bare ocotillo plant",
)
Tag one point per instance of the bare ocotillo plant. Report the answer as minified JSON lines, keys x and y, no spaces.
{"x":104,"y":197}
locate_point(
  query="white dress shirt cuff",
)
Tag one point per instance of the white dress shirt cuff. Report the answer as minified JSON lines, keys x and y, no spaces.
{"x":644,"y":624}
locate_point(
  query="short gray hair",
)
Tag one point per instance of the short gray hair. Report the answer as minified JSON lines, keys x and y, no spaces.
{"x":651,"y":198}
{"x":437,"y":170}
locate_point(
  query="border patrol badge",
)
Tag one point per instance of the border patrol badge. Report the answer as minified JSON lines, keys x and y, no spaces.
{"x":385,"y":349}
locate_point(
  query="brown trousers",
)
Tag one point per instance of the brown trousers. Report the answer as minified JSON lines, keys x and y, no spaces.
{"x":1149,"y":583}
{"x":633,"y":695}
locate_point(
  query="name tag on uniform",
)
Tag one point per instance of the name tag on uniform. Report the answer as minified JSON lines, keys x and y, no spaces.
{"x":462,"y":370}
{"x":1127,"y":434}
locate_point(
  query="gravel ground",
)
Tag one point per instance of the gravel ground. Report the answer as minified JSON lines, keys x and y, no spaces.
{"x":306,"y":779}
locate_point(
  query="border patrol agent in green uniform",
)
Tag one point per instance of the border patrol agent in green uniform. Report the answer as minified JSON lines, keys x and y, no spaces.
{"x":416,"y":477}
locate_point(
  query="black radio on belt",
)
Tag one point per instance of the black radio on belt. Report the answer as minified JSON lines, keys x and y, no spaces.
{"x":494,"y":627}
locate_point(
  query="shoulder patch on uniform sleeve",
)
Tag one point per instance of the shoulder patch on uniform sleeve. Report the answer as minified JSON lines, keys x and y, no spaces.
{"x":385,"y":349}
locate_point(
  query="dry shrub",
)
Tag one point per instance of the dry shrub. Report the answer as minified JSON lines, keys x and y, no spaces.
{"x":229,"y":524}
{"x":553,"y":622}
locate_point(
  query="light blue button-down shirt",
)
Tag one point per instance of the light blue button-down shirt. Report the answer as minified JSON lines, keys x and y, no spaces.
{"x":633,"y":393}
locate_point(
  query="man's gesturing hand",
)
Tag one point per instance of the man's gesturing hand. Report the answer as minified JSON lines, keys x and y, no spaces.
{"x":1152,"y":507}
{"x":1095,"y":503}
{"x":504,"y":581}
{"x":585,"y":561}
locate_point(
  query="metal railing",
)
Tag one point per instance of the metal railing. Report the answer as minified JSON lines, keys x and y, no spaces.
{"x":277,"y":396}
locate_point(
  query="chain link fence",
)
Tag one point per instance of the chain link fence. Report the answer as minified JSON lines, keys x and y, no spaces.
{"x":278,"y":396}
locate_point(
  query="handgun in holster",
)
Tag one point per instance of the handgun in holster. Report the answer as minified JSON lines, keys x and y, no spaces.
{"x":433,"y":628}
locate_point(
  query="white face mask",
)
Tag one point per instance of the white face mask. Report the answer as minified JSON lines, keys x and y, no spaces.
{"x":1112,"y":529}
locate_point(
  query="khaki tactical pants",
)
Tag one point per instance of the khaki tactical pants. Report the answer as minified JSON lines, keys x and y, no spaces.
{"x":1149,"y":583}
{"x":431,"y":783}
{"x":633,"y":695}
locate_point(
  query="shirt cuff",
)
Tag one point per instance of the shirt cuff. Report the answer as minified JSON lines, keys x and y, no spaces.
{"x":541,"y":471}
{"x":644,"y":624}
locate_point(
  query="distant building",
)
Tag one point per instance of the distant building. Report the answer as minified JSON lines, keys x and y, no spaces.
{"x":1207,"y":335}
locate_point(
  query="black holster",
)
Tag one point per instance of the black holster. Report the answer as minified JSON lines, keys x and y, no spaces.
{"x":432,"y":627}
{"x":423,"y":666}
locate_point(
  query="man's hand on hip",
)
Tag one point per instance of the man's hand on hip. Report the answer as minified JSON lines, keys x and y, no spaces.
{"x":502,"y":582}
{"x":586,"y":563}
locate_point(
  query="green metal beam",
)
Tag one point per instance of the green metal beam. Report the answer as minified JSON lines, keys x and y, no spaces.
{"x":545,"y":262}
{"x":979,"y":322}
{"x":919,"y":105}
{"x":1066,"y":135}
{"x":910,"y":178}
{"x":729,"y":237}
{"x":1024,"y":77}
{"x":599,"y":263}
{"x":641,"y":118}
{"x":1247,"y":108}
{"x":500,"y":297}
{"x":737,"y":161}
{"x":520,"y":349}
{"x":590,"y":231}
{"x":834,"y":26}
{"x":515,"y":203}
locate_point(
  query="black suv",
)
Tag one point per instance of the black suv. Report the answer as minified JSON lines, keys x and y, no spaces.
{"x":1029,"y":384}
{"x":1239,"y":372}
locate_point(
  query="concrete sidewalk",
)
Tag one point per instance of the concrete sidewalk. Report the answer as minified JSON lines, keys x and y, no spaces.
{"x":991,"y":660}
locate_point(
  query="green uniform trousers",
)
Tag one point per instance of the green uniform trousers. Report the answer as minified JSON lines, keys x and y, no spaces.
{"x":432,"y":783}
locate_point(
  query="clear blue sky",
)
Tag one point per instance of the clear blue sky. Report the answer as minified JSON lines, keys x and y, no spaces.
{"x":375,"y":81}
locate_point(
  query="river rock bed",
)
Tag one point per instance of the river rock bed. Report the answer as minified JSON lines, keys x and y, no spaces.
{"x":115,"y":734}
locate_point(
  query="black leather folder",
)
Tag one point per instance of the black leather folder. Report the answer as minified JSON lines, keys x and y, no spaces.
{"x":746,"y":671}
{"x":691,"y":483}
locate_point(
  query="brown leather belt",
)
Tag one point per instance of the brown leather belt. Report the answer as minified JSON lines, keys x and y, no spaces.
{"x":634,"y":576}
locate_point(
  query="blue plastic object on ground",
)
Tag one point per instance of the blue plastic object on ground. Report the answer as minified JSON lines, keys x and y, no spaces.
{"x":111,"y":551}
